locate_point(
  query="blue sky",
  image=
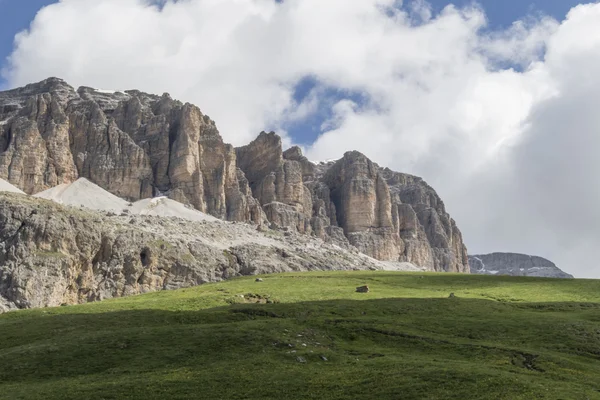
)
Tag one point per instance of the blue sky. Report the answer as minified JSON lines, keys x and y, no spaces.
{"x":15,"y":15}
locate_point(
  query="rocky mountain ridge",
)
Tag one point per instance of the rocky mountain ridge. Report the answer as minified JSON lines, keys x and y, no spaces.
{"x":137,"y":145}
{"x":515,"y":265}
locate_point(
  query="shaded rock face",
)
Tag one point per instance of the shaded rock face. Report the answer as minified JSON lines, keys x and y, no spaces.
{"x":515,"y":265}
{"x":138,"y":145}
{"x":52,"y":255}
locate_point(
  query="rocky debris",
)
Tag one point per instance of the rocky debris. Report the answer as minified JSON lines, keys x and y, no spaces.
{"x":138,"y":146}
{"x":362,"y":289}
{"x":83,"y":193}
{"x":515,"y":265}
{"x":165,"y":207}
{"x":7,"y":187}
{"x":52,"y":254}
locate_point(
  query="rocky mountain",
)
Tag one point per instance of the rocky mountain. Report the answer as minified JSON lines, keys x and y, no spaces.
{"x":514,"y":265}
{"x":51,"y":254}
{"x":138,"y":145}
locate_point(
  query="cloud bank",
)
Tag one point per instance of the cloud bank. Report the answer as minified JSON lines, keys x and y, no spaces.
{"x":501,"y":123}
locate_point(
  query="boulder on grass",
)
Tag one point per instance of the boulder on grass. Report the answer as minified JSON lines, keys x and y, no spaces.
{"x":362,"y":289}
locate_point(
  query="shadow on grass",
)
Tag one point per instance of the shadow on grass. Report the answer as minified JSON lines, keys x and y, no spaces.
{"x":243,"y":348}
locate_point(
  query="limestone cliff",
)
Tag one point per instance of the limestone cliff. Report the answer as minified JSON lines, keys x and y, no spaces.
{"x":52,"y":254}
{"x":276,"y":182}
{"x":138,"y":145}
{"x":131,"y":143}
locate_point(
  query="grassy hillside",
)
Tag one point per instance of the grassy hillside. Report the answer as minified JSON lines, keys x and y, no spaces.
{"x":310,"y":336}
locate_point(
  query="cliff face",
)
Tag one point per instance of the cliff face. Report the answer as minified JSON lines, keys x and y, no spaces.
{"x":52,"y":255}
{"x":133,"y":144}
{"x":137,"y":145}
{"x":388,"y":215}
{"x":430,"y":235}
{"x":515,"y":265}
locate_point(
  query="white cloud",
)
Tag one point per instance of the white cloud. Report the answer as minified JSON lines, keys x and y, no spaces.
{"x":510,"y":150}
{"x":522,"y":42}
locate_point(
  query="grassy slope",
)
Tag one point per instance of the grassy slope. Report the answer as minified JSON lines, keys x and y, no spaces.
{"x":501,"y":338}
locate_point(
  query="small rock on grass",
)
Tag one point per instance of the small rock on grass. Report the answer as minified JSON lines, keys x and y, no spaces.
{"x":301,"y":359}
{"x":362,"y":289}
{"x":258,"y":280}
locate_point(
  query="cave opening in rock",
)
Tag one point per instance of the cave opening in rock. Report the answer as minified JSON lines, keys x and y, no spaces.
{"x":145,"y":257}
{"x":6,"y":140}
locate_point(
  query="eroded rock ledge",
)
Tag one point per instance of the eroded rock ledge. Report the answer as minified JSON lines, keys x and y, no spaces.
{"x":52,"y":254}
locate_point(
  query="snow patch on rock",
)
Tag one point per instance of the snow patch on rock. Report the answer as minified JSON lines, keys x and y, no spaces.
{"x":105,"y":91}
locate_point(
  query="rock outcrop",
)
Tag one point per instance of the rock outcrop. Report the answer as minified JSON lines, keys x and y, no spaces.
{"x":138,"y":145}
{"x":277,"y":183}
{"x":52,"y":254}
{"x":363,"y":206}
{"x":515,"y":265}
{"x":431,"y":237}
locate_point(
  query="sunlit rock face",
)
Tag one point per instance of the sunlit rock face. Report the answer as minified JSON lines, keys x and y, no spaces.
{"x":133,"y":144}
{"x":137,"y":145}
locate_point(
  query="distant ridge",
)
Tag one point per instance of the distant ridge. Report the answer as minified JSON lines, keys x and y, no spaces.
{"x":514,"y":264}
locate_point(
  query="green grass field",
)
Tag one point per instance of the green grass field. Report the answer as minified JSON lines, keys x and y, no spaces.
{"x":310,"y":336}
